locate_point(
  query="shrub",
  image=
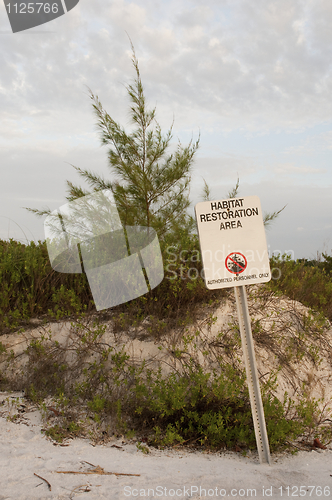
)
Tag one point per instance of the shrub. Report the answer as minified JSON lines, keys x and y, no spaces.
{"x":309,"y":282}
{"x":98,"y":390}
{"x":30,"y":287}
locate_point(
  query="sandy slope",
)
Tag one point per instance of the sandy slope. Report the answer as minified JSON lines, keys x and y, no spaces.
{"x":24,"y":451}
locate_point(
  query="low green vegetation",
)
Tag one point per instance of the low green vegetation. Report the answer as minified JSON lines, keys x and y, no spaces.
{"x":308,"y":281}
{"x":32,"y":289}
{"x":98,"y":391}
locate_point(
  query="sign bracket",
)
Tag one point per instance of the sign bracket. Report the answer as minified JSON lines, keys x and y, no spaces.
{"x":252,"y":375}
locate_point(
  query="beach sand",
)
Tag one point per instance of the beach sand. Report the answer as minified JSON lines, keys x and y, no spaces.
{"x":25,"y":454}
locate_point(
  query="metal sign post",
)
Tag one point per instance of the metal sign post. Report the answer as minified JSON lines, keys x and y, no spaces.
{"x":234,"y":252}
{"x":252,"y":375}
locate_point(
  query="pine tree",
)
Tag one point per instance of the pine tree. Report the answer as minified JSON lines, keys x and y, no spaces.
{"x":150,"y":185}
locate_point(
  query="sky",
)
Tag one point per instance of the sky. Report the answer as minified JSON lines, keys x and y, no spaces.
{"x":254,"y":79}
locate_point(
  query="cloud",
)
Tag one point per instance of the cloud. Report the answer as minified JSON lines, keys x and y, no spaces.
{"x":289,"y":168}
{"x":258,"y":65}
{"x":315,"y":143}
{"x":324,"y":228}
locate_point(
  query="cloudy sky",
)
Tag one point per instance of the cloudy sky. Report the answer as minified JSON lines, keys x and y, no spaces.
{"x":253,"y":78}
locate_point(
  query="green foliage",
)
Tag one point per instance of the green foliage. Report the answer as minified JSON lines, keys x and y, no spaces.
{"x":141,"y":447}
{"x":97,"y":405}
{"x":280,"y":426}
{"x":193,"y":408}
{"x":309,"y":282}
{"x":104,"y":392}
{"x":61,"y":432}
{"x":152,"y":185}
{"x":215,"y":411}
{"x":150,"y":177}
{"x":31,"y":288}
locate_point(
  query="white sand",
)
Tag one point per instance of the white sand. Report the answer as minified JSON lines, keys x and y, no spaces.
{"x":25,"y":451}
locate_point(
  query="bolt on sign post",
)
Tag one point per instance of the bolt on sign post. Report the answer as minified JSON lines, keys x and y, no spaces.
{"x":234,"y":254}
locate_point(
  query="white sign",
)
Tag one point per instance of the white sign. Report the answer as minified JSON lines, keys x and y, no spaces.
{"x":233,"y":242}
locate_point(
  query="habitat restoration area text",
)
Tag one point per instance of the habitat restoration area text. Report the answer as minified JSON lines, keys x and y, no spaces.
{"x":222,"y":211}
{"x":205,"y":492}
